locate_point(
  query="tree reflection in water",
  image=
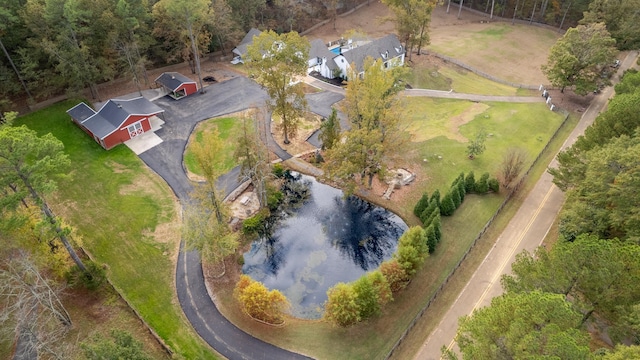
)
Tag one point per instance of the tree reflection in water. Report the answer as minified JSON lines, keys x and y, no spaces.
{"x":318,"y":238}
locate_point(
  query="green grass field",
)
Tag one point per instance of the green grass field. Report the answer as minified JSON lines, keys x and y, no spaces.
{"x":522,"y":125}
{"x":450,"y":76}
{"x":374,"y":338}
{"x":115,"y":205}
{"x":228,"y":131}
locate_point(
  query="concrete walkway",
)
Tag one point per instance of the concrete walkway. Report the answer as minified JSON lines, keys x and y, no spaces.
{"x":526,"y":231}
{"x":472,"y":97}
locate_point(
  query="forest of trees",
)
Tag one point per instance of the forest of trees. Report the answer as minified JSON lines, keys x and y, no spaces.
{"x":50,"y":47}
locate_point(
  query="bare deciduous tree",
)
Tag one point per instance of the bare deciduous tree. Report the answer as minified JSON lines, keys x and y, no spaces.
{"x":511,"y":166}
{"x":31,"y":310}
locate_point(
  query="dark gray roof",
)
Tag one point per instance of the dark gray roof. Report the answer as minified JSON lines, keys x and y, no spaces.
{"x":241,"y":49}
{"x":319,"y":49}
{"x":115,"y":112}
{"x":375,"y":49}
{"x":81,"y":112}
{"x":173,"y":80}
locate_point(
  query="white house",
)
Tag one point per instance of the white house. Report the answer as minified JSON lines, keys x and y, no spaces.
{"x":321,"y":59}
{"x":388,"y":48}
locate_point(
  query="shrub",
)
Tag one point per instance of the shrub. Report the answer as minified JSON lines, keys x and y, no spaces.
{"x":432,"y":241}
{"x":278,"y":170}
{"x":255,"y":224}
{"x":462,"y":189}
{"x":395,"y":275}
{"x":412,"y":249}
{"x":90,"y":280}
{"x":381,"y":286}
{"x":469,"y":183}
{"x":437,"y":227}
{"x":435,"y":197}
{"x":367,"y":297}
{"x":447,"y":206}
{"x":426,"y":213}
{"x":274,"y":198}
{"x":482,"y":185}
{"x":428,"y":219}
{"x":421,"y":205}
{"x":494,"y":185}
{"x":455,"y":196}
{"x":458,"y":179}
{"x":342,"y":307}
{"x":259,"y":302}
{"x":409,"y":259}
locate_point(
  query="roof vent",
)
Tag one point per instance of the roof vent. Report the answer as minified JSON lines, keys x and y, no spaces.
{"x":119,"y":106}
{"x":173,"y":77}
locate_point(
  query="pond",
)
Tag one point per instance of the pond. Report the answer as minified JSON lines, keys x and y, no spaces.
{"x":320,"y":238}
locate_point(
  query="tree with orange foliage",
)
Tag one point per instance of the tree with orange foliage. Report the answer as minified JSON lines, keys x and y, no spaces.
{"x":260,"y":303}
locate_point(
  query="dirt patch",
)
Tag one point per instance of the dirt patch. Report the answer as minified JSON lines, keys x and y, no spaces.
{"x":298,"y":144}
{"x":117,"y":168}
{"x":245,"y":205}
{"x":169,"y":231}
{"x":459,"y":120}
{"x":369,"y":19}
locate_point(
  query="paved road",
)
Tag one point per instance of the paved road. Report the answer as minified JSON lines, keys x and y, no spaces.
{"x":182,"y":116}
{"x":166,"y":159}
{"x":472,"y":97}
{"x":526,"y":230}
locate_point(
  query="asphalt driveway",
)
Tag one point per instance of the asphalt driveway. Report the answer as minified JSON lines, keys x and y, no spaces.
{"x":183,"y":115}
{"x":166,"y":159}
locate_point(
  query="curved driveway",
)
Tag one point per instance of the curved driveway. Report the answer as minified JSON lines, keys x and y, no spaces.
{"x":165,"y":159}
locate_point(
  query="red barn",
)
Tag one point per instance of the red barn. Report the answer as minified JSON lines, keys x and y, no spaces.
{"x":117,"y":120}
{"x":177,"y":85}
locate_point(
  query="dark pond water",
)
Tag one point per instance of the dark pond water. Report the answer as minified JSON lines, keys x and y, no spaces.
{"x":320,"y":241}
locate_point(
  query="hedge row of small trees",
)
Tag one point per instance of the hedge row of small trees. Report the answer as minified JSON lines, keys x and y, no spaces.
{"x":429,"y":209}
{"x":348,"y":304}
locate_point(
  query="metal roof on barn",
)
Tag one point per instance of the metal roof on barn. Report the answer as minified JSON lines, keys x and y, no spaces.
{"x":112,"y":115}
{"x":173,"y":80}
{"x":81,"y":112}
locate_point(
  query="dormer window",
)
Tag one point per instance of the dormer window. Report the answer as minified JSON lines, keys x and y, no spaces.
{"x":399,"y":49}
{"x":385,"y":54}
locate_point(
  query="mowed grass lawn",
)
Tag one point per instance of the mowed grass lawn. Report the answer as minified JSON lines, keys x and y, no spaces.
{"x":126,"y":217}
{"x":452,"y":77}
{"x":441,"y":130}
{"x":510,"y":52}
{"x":229,"y":129}
{"x":528,"y":126}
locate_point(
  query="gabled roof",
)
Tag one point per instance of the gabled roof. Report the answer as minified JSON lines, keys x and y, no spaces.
{"x":113,"y":114}
{"x":388,"y":46}
{"x":173,"y":80}
{"x":319,"y":50}
{"x":241,"y":49}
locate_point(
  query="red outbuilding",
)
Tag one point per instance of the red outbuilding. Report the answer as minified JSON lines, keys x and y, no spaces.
{"x":177,"y":85}
{"x":117,"y":120}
